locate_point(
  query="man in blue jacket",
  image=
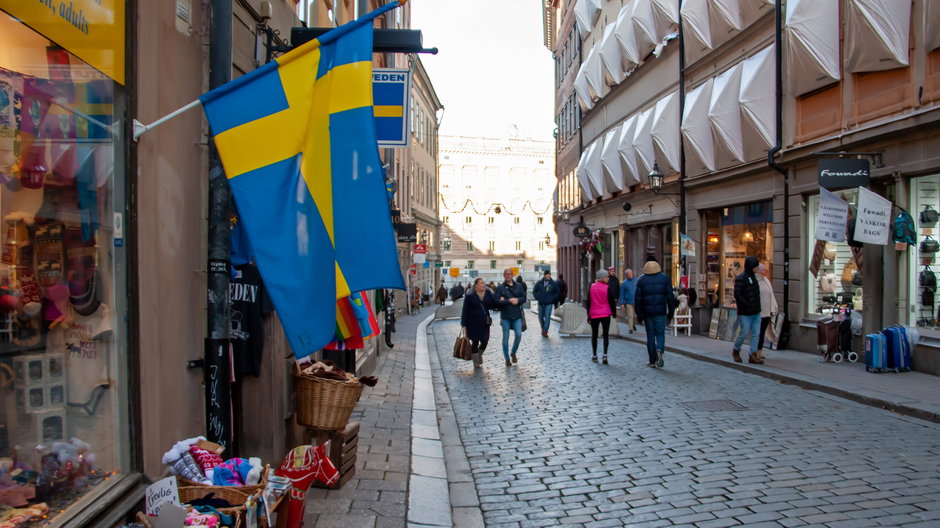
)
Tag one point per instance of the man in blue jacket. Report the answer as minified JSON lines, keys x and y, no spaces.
{"x":510,"y":298}
{"x":627,"y":298}
{"x":655,"y":302}
{"x":546,"y":293}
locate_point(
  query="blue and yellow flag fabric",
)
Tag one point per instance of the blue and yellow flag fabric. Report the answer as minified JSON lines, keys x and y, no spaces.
{"x":297,"y":140}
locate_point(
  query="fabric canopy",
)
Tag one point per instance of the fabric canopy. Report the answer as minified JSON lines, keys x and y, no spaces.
{"x":582,"y":90}
{"x":595,"y":167}
{"x":631,"y":175}
{"x":610,"y":160}
{"x":812,"y":31}
{"x":878,"y":34}
{"x":625,"y":33}
{"x":758,"y":90}
{"x":643,"y":144}
{"x":609,"y":53}
{"x":932,"y":22}
{"x":666,"y":13}
{"x":595,"y":75}
{"x":581,"y":172}
{"x":695,"y":126}
{"x":729,"y":11}
{"x":695,"y":21}
{"x":665,"y":131}
{"x":645,"y":24}
{"x":724,"y":111}
{"x":585,"y":15}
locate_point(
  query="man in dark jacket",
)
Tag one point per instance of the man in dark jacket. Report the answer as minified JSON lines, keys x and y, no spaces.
{"x":510,"y":298}
{"x":456,"y":292}
{"x":747,"y":299}
{"x":655,"y":302}
{"x":546,"y":293}
{"x":613,"y":291}
{"x":562,"y":290}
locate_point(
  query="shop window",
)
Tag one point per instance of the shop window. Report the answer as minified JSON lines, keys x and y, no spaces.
{"x":882,"y":93}
{"x":923,"y":299}
{"x":62,"y":348}
{"x":746,"y":230}
{"x":831,"y":291}
{"x":819,"y":113}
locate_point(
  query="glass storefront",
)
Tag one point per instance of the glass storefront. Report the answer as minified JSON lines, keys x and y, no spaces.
{"x":63,"y":404}
{"x":838,"y":284}
{"x":734,"y":233}
{"x":923,"y":297}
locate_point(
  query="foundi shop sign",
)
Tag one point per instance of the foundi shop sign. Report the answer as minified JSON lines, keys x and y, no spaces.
{"x":842,"y":173}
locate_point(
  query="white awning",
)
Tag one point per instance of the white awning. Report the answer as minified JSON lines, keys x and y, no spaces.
{"x":585,"y":15}
{"x":665,"y":131}
{"x":695,"y":126}
{"x":595,"y":167}
{"x":729,"y":11}
{"x":666,"y":13}
{"x":631,"y":175}
{"x":610,"y":57}
{"x":878,"y":34}
{"x":758,"y":90}
{"x":646,"y":33}
{"x":812,"y":31}
{"x":610,"y":159}
{"x":625,"y":34}
{"x":932,"y":22}
{"x":581,"y":173}
{"x":695,"y":21}
{"x":582,"y":90}
{"x":595,"y":75}
{"x":724,"y":111}
{"x":643,"y":144}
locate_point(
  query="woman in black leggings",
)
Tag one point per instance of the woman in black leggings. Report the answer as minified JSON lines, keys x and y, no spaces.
{"x":599,"y":312}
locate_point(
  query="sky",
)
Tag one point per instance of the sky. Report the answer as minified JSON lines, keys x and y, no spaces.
{"x":492,"y":70}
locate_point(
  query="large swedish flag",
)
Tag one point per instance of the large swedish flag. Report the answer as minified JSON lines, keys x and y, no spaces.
{"x":297,"y":140}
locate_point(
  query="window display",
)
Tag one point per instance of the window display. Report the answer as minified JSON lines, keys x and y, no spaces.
{"x":837,"y":287}
{"x":924,"y":270}
{"x":62,"y":402}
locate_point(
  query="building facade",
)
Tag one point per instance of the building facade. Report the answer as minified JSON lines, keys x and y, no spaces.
{"x":495,"y":205}
{"x":740,"y":145}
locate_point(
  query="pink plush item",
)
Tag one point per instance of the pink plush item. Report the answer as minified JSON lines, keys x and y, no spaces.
{"x":206,"y":459}
{"x":194,"y":518}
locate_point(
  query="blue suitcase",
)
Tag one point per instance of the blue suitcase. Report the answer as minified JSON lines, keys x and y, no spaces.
{"x":897,"y":349}
{"x":875,"y":352}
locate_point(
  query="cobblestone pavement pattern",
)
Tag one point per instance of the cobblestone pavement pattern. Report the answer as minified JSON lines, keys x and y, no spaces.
{"x":560,"y":440}
{"x":375,"y":495}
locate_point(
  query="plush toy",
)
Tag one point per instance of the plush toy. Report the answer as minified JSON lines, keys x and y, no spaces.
{"x":254,"y":474}
{"x":683,"y":308}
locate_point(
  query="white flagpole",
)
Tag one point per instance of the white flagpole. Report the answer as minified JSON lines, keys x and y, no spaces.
{"x":140,"y":128}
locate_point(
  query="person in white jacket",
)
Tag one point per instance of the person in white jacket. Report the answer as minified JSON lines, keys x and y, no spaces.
{"x":768,"y":305}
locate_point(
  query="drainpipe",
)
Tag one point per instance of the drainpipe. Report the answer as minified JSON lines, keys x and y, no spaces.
{"x":683,"y":268}
{"x":216,"y":366}
{"x":778,"y":52}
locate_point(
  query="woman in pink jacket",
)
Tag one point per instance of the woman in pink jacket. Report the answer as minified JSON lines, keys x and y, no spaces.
{"x":599,"y":311}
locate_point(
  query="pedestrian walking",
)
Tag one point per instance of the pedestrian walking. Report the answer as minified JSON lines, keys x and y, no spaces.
{"x":457,"y":292}
{"x":613,"y":290}
{"x":747,"y":299}
{"x":525,"y":287}
{"x":546,"y":294}
{"x":628,"y":298}
{"x":476,"y":320}
{"x":655,"y":302}
{"x":768,"y":306}
{"x":510,"y":298}
{"x":562,"y":290}
{"x":441,"y":296}
{"x":598,"y":306}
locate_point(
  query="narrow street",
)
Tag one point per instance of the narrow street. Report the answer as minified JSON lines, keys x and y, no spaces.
{"x":558,"y":439}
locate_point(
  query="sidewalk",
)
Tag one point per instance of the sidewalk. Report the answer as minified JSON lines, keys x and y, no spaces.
{"x":911,"y":393}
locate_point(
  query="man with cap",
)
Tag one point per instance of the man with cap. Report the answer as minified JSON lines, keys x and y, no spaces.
{"x":613,"y":291}
{"x":546,"y":293}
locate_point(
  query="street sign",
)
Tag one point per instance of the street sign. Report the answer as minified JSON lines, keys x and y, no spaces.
{"x":515,"y":270}
{"x":413,"y":269}
{"x":438,"y":263}
{"x":391,"y":90}
{"x":407,"y":232}
{"x":426,"y":264}
{"x":455,"y":272}
{"x":582,"y":231}
{"x":421,"y":248}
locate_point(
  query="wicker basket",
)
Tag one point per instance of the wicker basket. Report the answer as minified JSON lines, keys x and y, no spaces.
{"x":247,"y":490}
{"x":145,"y":520}
{"x":325,"y":404}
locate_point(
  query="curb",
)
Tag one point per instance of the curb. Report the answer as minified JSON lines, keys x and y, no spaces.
{"x":805,"y":382}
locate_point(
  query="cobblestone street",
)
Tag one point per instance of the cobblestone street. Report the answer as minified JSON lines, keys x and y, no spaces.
{"x":558,"y":439}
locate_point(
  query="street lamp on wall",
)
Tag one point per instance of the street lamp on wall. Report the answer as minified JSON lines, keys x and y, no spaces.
{"x":656,"y":183}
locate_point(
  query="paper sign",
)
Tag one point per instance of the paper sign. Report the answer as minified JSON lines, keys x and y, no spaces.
{"x":686,"y":245}
{"x":161,"y":493}
{"x":170,"y":517}
{"x":873,"y":219}
{"x":832,"y":216}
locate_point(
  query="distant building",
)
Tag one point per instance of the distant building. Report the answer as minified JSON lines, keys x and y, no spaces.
{"x":495,"y":205}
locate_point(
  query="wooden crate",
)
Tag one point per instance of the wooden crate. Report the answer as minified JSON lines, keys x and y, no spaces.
{"x":343,"y":447}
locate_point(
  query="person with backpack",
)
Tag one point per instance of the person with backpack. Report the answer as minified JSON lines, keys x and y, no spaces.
{"x":747,"y":298}
{"x":654,"y":302}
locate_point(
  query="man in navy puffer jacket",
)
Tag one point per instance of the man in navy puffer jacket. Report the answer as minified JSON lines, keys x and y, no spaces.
{"x":655,"y":301}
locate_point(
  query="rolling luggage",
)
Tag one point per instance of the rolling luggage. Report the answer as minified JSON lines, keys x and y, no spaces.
{"x":827,"y":337}
{"x":875,"y":352}
{"x":897,"y":349}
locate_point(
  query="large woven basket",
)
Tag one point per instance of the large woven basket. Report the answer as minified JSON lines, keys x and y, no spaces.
{"x":145,"y":520}
{"x":247,"y":490}
{"x":325,"y":404}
